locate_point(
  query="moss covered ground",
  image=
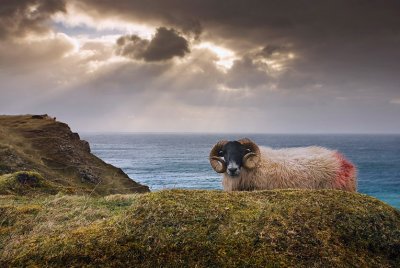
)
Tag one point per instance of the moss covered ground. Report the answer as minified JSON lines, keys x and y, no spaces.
{"x":179,"y":228}
{"x":25,"y":183}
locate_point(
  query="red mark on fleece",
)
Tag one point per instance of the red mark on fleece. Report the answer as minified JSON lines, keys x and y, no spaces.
{"x":346,"y":172}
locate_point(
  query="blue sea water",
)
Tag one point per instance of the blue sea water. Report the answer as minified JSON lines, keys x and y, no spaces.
{"x":165,"y":161}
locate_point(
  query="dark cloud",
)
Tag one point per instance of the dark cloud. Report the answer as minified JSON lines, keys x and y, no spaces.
{"x":311,"y":18}
{"x":270,"y":50}
{"x":166,"y":44}
{"x":132,"y":46}
{"x":19,"y":17}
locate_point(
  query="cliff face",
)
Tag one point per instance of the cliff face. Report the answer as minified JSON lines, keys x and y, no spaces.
{"x":42,"y":144}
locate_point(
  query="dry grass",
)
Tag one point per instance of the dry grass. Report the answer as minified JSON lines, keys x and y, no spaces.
{"x":200,"y":229}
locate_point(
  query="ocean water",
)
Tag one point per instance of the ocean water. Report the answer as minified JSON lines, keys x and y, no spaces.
{"x":165,"y":161}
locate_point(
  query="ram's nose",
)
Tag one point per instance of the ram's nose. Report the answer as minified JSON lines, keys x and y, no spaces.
{"x":232,"y":170}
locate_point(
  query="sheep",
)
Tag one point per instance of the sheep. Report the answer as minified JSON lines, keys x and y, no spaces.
{"x":248,"y":167}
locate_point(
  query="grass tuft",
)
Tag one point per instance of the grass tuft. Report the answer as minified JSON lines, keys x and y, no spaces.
{"x":25,"y":182}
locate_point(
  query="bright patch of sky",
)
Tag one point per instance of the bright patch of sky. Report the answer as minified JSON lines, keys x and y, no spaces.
{"x":84,"y":30}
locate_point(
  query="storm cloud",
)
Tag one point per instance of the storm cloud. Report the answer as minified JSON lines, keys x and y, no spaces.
{"x":165,"y":45}
{"x":262,"y":20}
{"x":20,"y":17}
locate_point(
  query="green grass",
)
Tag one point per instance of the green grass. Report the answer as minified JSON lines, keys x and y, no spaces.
{"x":25,"y":182}
{"x":178,"y":228}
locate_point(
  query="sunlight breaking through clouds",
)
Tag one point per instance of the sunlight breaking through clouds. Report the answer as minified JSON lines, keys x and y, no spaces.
{"x":274,"y":62}
{"x":226,"y":57}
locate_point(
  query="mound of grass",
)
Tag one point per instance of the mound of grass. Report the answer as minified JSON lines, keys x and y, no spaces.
{"x":25,"y":182}
{"x":178,"y":228}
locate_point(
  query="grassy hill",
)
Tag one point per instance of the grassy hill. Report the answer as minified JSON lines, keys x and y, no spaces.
{"x":48,"y":147}
{"x":283,"y":228}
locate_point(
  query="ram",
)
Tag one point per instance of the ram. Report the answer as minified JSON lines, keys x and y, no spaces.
{"x":246,"y":167}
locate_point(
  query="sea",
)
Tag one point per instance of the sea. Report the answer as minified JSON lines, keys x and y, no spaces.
{"x":180,"y":161}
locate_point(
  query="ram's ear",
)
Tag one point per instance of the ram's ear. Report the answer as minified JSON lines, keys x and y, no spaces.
{"x":251,"y":160}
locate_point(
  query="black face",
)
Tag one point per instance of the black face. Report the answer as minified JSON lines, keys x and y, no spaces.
{"x":233,"y":153}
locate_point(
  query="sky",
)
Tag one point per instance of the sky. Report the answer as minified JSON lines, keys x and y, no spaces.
{"x":305,"y":66}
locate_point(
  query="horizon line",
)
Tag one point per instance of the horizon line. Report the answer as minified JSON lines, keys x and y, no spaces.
{"x":237,"y":133}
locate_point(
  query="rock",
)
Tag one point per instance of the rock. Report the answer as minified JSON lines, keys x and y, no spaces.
{"x":39,"y":116}
{"x":85,"y":145}
{"x":27,"y":179}
{"x":88,"y":176}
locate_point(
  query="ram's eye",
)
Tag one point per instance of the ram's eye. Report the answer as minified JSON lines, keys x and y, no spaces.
{"x":221,"y":153}
{"x":248,"y":151}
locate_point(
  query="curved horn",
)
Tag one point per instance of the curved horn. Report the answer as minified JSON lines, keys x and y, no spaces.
{"x":251,"y":159}
{"x":216,"y":162}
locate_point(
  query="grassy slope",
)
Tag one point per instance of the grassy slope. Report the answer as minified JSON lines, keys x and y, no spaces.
{"x":51,"y":149}
{"x":200,"y":228}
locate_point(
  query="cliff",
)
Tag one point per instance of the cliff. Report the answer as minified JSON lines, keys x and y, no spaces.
{"x":282,"y":228}
{"x":41,"y":144}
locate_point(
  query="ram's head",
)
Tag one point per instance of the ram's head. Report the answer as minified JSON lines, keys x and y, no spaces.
{"x":231,"y":156}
